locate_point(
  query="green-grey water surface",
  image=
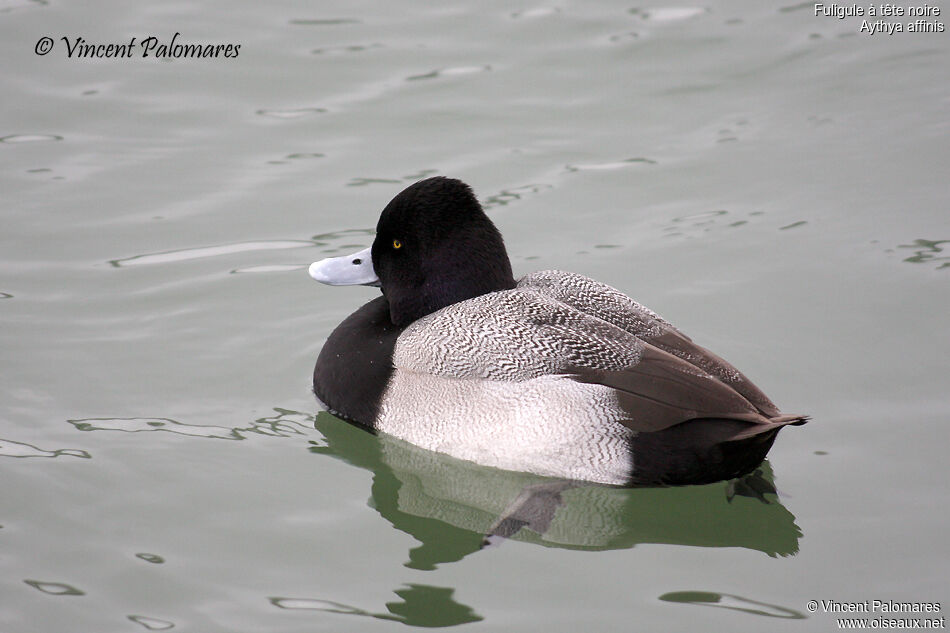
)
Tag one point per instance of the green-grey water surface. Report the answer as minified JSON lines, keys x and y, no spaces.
{"x":772,"y":181}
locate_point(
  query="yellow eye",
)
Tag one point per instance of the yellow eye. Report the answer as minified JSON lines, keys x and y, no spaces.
{"x":397,"y":244}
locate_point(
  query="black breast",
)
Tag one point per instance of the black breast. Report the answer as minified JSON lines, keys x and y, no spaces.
{"x":355,"y":364}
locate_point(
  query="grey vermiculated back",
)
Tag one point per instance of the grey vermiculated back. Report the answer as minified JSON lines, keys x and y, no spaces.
{"x":516,"y":335}
{"x":593,"y":297}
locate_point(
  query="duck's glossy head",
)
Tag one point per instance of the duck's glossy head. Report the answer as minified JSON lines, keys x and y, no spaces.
{"x":434,"y":247}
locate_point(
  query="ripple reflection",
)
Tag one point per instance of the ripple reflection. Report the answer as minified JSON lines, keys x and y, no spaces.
{"x":324,"y":22}
{"x":793,"y":225}
{"x":291,"y":114}
{"x":9,"y":448}
{"x":152,"y":624}
{"x":340,"y":50}
{"x":926,"y":252}
{"x":732,"y":602}
{"x":620,"y":164}
{"x":450,"y":72}
{"x":273,"y":268}
{"x":141,"y":425}
{"x":30,"y":138}
{"x":421,"y":605}
{"x":507,"y":196}
{"x":668,"y":14}
{"x":150,"y":558}
{"x":697,"y":224}
{"x":55,"y":588}
{"x":449,"y":505}
{"x":796,"y":7}
{"x":538,"y":12}
{"x":185,"y":254}
{"x":285,"y":423}
{"x":22,"y":4}
{"x":422,"y":173}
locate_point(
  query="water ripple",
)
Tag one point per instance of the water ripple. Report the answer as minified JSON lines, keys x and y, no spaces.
{"x":624,"y":37}
{"x":55,"y":588}
{"x":184,"y":254}
{"x":341,"y":241}
{"x":150,"y":558}
{"x":668,"y":14}
{"x":732,"y":602}
{"x":286,"y":423}
{"x":538,"y":12}
{"x":294,"y":113}
{"x":9,"y":448}
{"x":793,"y":225}
{"x":22,"y":4}
{"x":324,"y":22}
{"x":152,"y":624}
{"x":620,"y":164}
{"x":422,"y":605}
{"x":450,"y":72}
{"x":926,"y":252}
{"x":704,"y":222}
{"x":30,"y":138}
{"x":422,"y":173}
{"x":342,"y":50}
{"x":796,"y":7}
{"x":273,"y":268}
{"x":362,"y":182}
{"x":296,"y":156}
{"x":140,"y":425}
{"x":328,"y":240}
{"x":507,"y":196}
{"x":313,"y":604}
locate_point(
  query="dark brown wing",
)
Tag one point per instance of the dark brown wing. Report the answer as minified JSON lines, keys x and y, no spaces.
{"x":678,"y":344}
{"x":663,"y":390}
{"x":606,"y":303}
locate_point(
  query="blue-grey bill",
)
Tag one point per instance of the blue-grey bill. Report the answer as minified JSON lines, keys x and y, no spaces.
{"x":350,"y":270}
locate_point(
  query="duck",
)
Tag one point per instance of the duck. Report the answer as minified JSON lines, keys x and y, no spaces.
{"x":553,"y":374}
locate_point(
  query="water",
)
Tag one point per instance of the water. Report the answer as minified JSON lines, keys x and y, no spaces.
{"x":771,"y":181}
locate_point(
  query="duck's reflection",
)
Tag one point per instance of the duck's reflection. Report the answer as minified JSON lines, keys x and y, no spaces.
{"x":455,"y":507}
{"x":421,"y":605}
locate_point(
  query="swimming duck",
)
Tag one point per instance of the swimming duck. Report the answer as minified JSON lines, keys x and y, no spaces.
{"x":554,"y":373}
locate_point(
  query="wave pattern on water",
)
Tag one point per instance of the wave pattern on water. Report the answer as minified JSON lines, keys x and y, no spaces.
{"x":422,"y":605}
{"x":450,"y":72}
{"x":507,"y":196}
{"x":152,"y":624}
{"x":926,"y":252}
{"x":294,"y":113}
{"x":9,"y":448}
{"x":324,"y":21}
{"x":668,"y":14}
{"x":732,"y":602}
{"x":341,"y":50}
{"x":30,"y":138}
{"x":285,"y":423}
{"x":55,"y":588}
{"x":410,"y":178}
{"x":14,"y":5}
{"x":270,"y":268}
{"x":150,"y":558}
{"x":608,"y":166}
{"x":184,"y":254}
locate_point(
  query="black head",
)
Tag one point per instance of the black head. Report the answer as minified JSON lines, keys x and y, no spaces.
{"x":434,"y":247}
